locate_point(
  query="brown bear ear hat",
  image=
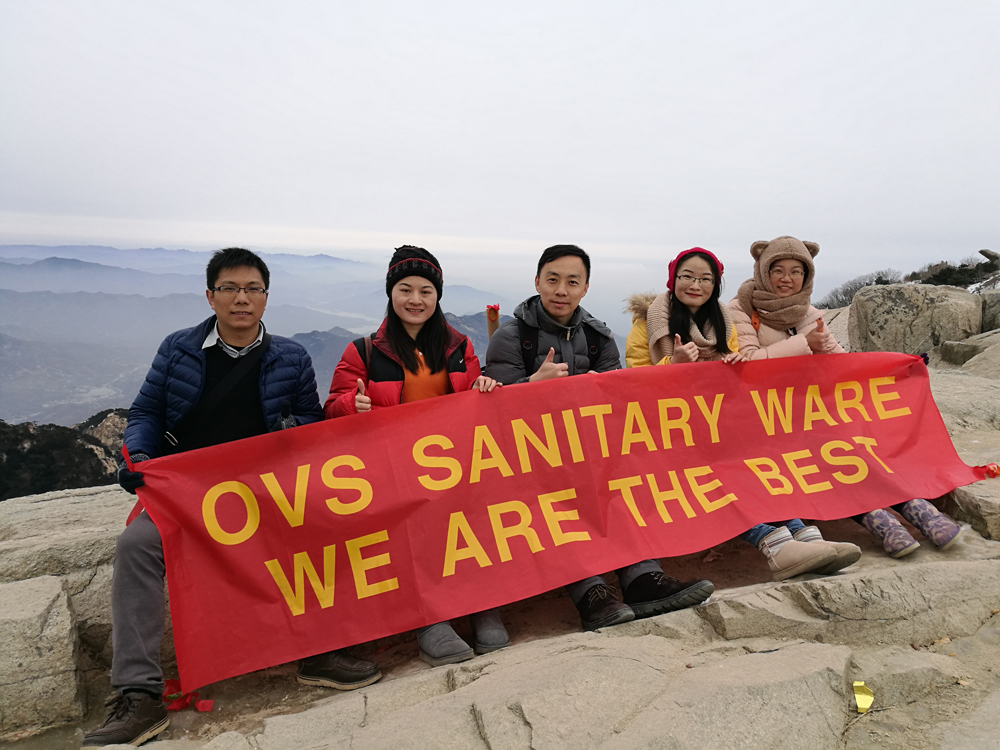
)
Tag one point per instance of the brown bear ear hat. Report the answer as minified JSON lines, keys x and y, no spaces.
{"x":758,"y":294}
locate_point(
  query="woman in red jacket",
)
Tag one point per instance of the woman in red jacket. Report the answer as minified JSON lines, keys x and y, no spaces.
{"x":416,"y":355}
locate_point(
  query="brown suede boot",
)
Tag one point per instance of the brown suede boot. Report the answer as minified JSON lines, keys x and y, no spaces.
{"x":787,"y":557}
{"x":847,"y":553}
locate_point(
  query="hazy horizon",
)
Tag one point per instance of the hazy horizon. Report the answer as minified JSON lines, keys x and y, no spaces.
{"x":489,"y":133}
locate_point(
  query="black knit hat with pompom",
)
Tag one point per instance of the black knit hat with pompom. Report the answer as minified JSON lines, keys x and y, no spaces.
{"x":410,"y":260}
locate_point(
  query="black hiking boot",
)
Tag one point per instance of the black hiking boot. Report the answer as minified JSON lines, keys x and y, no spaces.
{"x":135,"y":717}
{"x":600,"y":608}
{"x":655,"y":593}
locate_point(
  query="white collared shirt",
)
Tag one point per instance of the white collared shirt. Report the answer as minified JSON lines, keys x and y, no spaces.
{"x":213,"y":338}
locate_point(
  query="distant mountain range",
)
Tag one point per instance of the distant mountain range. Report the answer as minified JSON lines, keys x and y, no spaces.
{"x":352,"y":291}
{"x":79,"y":325}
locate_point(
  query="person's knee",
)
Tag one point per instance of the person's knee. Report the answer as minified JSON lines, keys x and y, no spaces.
{"x":140,"y":538}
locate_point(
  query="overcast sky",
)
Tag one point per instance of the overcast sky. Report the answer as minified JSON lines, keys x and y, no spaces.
{"x":487,"y":132}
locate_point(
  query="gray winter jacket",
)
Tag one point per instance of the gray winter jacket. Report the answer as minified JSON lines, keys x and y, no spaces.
{"x":503,"y":357}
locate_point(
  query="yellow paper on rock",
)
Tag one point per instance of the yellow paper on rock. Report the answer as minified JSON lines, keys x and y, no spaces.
{"x":863,"y":696}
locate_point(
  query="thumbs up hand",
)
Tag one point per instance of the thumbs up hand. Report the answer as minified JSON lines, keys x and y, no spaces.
{"x":361,"y":401}
{"x":819,"y":338}
{"x":550,"y":369}
{"x":683,"y":352}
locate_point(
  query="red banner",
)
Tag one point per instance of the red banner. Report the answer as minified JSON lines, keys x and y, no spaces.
{"x":302,"y":541}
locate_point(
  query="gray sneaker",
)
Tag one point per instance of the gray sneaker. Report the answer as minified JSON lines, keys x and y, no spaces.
{"x":135,"y":718}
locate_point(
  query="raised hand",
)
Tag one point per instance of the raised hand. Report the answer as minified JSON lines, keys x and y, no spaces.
{"x":819,"y":339}
{"x":683,"y":352}
{"x":550,"y":369}
{"x":361,"y":401}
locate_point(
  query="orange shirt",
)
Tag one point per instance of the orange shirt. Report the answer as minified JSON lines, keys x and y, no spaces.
{"x":424,"y":384}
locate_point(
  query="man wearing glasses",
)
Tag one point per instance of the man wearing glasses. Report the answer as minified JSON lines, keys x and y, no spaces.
{"x":223,"y":380}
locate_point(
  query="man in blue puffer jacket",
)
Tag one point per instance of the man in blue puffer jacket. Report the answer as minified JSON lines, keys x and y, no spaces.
{"x":268,"y":384}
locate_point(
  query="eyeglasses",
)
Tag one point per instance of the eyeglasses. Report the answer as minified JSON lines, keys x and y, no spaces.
{"x":795,"y":273}
{"x":231,"y":291}
{"x":688,"y":279}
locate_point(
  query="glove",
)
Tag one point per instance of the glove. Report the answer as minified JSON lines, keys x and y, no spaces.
{"x":286,"y":421}
{"x":130,"y":481}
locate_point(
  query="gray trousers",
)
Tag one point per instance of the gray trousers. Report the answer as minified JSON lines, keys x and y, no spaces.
{"x":625,"y":575}
{"x":137,"y":608}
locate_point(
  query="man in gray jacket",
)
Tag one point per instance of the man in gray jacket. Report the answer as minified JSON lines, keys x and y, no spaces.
{"x":551,"y":336}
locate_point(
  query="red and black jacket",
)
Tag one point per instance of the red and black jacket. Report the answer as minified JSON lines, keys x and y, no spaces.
{"x":383,"y":376}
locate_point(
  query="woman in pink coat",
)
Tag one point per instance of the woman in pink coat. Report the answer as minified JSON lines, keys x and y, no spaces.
{"x":774,"y":318}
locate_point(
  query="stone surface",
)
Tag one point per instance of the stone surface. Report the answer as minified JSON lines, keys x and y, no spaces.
{"x":838,"y":320}
{"x":60,"y":532}
{"x":978,"y":505}
{"x":590,"y":690}
{"x":906,"y":603}
{"x":986,"y":364}
{"x":967,"y":402}
{"x":901,"y":675}
{"x":228,"y":741}
{"x":793,"y":699}
{"x":912,"y":318}
{"x":960,"y":352}
{"x":975,"y":731}
{"x":991,"y":309}
{"x":39,"y":685}
{"x":71,"y":534}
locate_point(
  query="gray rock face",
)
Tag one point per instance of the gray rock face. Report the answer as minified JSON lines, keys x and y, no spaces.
{"x":960,"y":352}
{"x":901,"y":675}
{"x":588,"y":690}
{"x":912,"y":318}
{"x":837,"y":321}
{"x":39,"y":686}
{"x":69,"y":534}
{"x":986,"y":364}
{"x":991,"y":309}
{"x":911,"y":603}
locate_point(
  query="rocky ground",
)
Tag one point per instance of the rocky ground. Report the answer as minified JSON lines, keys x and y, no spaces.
{"x":761,"y":665}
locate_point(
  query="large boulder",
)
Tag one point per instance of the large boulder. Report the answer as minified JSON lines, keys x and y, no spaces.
{"x":39,"y":682}
{"x":912,"y":318}
{"x":991,"y":309}
{"x":71,"y":534}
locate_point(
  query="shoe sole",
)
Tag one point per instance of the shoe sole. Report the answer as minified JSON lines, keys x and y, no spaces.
{"x":150,"y":733}
{"x":807,"y":566}
{"x":840,"y":563}
{"x":480,"y":649}
{"x":321,"y":682}
{"x":622,"y":616}
{"x":451,"y":659}
{"x":689,"y":597}
{"x":950,"y":542}
{"x":904,"y":552}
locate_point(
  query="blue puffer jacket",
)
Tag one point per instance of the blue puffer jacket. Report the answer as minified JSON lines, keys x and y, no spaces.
{"x":174,"y":383}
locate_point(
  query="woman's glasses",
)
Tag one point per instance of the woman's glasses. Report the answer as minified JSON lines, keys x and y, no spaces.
{"x":686,"y":278}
